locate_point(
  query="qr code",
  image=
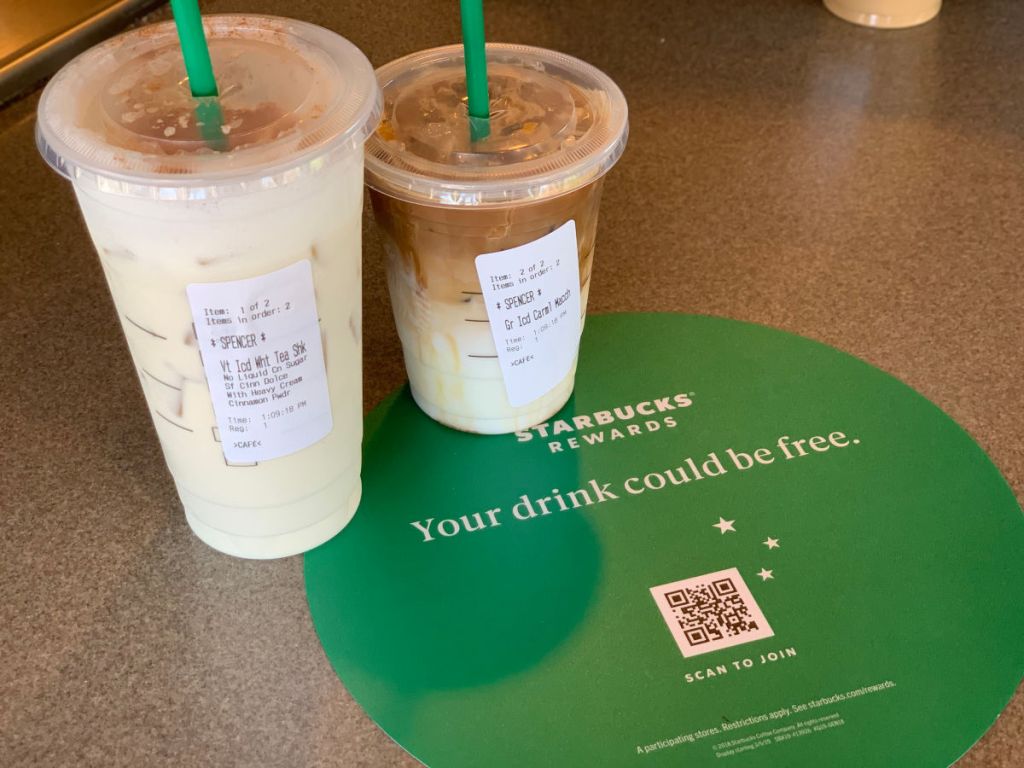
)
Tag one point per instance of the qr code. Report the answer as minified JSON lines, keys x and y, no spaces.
{"x":710,"y":612}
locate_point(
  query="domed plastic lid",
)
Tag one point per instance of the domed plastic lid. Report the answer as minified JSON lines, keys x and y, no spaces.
{"x":121,"y":114}
{"x":556,"y":124}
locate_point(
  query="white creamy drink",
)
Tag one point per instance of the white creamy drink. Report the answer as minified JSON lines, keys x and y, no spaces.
{"x":490,"y":241}
{"x":229,"y":234}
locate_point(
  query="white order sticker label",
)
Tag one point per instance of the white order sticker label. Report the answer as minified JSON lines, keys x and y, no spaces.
{"x":532,"y":295}
{"x":264,"y":362}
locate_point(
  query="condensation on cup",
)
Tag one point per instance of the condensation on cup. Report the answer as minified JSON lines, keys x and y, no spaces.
{"x":229,"y":234}
{"x":489,"y":239}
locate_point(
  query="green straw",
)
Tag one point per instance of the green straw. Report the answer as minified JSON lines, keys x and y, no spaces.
{"x":476,"y":68}
{"x":193,"y":47}
{"x":201,"y":81}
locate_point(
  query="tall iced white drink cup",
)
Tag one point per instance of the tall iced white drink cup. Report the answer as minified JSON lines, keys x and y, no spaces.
{"x":229,"y":233}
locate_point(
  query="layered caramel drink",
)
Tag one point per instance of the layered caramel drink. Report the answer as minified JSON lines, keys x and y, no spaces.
{"x":489,"y":229}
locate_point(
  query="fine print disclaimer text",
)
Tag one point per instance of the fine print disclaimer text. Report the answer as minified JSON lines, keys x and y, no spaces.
{"x":773,"y":727}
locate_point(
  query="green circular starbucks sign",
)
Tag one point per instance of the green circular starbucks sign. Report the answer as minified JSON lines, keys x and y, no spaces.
{"x":733,"y":546}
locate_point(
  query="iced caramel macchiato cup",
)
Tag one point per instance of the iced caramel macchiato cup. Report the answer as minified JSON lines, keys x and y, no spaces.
{"x":490,"y":239}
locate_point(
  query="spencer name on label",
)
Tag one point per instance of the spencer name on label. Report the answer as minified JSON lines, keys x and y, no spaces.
{"x":235,"y":341}
{"x":521,"y":300}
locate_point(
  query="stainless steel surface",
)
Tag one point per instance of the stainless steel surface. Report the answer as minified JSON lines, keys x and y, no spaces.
{"x":36,"y":38}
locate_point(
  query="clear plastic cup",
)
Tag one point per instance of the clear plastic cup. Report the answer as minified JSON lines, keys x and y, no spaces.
{"x":229,"y":233}
{"x":496,"y":354}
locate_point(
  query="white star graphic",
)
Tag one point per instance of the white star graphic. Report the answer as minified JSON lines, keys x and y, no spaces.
{"x":724,"y":525}
{"x":765,"y":574}
{"x":771,"y":543}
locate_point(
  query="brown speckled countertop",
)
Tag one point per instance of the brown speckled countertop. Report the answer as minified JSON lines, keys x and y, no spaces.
{"x":862,"y":188}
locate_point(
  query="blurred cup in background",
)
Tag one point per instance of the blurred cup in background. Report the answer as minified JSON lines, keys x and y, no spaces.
{"x":885,"y":14}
